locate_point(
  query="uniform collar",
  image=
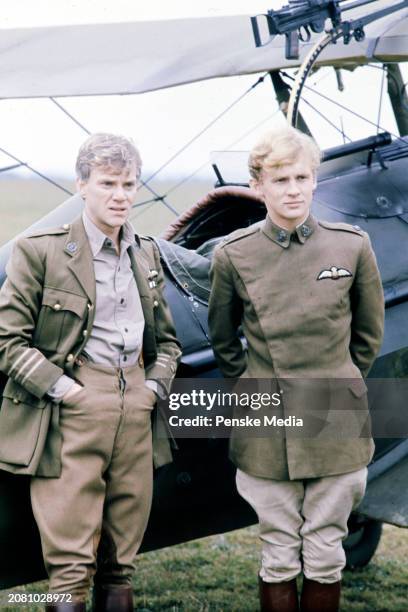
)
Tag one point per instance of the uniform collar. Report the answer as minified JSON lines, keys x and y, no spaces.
{"x":283,"y":237}
{"x":97,"y":239}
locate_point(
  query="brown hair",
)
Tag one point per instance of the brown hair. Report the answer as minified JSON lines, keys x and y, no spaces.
{"x":107,"y":150}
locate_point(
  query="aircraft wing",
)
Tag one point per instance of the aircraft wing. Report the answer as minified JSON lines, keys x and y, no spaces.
{"x":135,"y":57}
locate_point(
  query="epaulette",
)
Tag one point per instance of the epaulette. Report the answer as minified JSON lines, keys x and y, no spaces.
{"x":49,"y":231}
{"x":342,"y":227}
{"x":239,"y":235}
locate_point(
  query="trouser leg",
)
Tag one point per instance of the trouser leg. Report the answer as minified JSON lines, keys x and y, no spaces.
{"x":326,"y":509}
{"x":277,"y":504}
{"x":69,"y":510}
{"x":327,"y":506}
{"x":303,"y":521}
{"x":129,"y":486}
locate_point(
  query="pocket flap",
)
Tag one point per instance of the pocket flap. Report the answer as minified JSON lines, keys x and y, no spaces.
{"x":358,"y":387}
{"x":22,"y":429}
{"x":62,"y":300}
{"x":16,"y":393}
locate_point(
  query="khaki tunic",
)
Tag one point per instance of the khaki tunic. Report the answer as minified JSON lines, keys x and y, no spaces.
{"x":303,"y":318}
{"x":47,"y":307}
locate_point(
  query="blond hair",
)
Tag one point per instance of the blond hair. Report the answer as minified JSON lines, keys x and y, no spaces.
{"x":279,"y":147}
{"x":107,"y":150}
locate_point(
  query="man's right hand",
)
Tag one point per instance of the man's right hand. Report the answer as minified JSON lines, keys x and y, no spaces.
{"x":72,"y":391}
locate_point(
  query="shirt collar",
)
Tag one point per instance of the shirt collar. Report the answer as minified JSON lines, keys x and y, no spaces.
{"x":282,"y":236}
{"x":97,"y":238}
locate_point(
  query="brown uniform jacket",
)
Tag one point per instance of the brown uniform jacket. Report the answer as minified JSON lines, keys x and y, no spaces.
{"x":46,"y":315}
{"x":311,"y":307}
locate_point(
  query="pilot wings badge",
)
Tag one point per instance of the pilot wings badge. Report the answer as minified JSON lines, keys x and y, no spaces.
{"x":334,"y":273}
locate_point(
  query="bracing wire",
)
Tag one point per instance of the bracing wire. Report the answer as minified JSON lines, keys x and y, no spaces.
{"x":207,"y":127}
{"x":40,"y":174}
{"x":210,"y":124}
{"x":227,"y":148}
{"x":159,"y":198}
{"x":232,"y":144}
{"x":150,"y":201}
{"x":349,"y":110}
{"x":8,"y":168}
{"x":380,"y":101}
{"x":140,"y":212}
{"x":333,"y":125}
{"x":68,"y":114}
{"x":143,"y":183}
{"x":342,"y":129}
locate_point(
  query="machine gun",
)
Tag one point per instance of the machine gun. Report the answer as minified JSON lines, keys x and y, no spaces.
{"x":301,"y":17}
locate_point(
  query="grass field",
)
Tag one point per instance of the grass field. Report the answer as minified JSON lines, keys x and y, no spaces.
{"x":218,"y":574}
{"x":24,"y":201}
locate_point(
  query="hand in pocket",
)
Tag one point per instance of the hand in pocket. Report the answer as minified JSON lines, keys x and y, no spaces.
{"x":72,"y":392}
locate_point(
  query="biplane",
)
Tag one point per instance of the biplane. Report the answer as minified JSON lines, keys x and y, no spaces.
{"x":362,"y":182}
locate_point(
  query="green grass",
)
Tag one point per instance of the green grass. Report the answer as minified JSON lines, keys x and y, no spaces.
{"x":24,"y":201}
{"x":219,"y":574}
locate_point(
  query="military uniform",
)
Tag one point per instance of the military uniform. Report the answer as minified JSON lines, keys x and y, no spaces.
{"x":298,"y":326}
{"x":310,"y":304}
{"x":47,"y":309}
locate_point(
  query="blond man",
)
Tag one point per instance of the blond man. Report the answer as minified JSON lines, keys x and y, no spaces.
{"x":87,"y":340}
{"x":308,"y":298}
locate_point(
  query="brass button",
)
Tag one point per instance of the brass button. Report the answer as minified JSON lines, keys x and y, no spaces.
{"x":85,"y":333}
{"x":15,"y":400}
{"x":65,"y":226}
{"x":57,"y":306}
{"x":155,"y":304}
{"x":70,"y":358}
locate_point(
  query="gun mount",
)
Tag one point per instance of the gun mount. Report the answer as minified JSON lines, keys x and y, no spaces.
{"x":301,"y":17}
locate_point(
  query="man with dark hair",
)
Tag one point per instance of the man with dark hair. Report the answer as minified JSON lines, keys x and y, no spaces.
{"x":307,"y":296}
{"x":87,"y":341}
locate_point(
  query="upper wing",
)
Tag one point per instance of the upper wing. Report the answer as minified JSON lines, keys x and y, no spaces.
{"x":135,"y":57}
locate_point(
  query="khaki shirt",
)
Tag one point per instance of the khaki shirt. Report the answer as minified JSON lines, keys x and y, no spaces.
{"x":117,"y":333}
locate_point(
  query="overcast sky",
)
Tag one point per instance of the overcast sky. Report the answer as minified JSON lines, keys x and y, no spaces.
{"x":162,"y":122}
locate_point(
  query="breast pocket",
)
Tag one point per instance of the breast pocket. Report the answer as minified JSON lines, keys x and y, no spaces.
{"x":60,"y":320}
{"x":331,"y":298}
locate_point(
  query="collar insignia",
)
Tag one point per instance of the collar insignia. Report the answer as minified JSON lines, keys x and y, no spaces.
{"x":334,"y":273}
{"x":72,"y":247}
